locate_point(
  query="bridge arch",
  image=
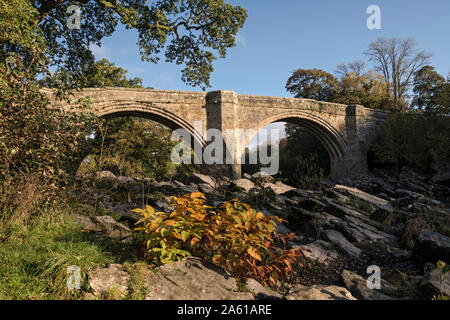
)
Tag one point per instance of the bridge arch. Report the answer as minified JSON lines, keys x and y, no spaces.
{"x":329,"y":136}
{"x":152,"y":112}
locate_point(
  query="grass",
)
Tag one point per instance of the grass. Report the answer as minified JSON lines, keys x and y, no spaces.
{"x":35,"y":255}
{"x":137,"y":286}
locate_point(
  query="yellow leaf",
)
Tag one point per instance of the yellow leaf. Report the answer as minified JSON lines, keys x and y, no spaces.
{"x":149,"y":209}
{"x":196,"y":195}
{"x":260,"y":215}
{"x":254,"y":253}
{"x":185,"y":235}
{"x":170,"y":223}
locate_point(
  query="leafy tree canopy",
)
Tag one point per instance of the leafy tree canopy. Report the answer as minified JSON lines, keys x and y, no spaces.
{"x":100,"y":74}
{"x":429,"y":86}
{"x":312,"y":84}
{"x":188,"y":32}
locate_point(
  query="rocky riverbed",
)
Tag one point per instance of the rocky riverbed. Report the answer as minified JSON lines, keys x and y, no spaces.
{"x":400,"y":224}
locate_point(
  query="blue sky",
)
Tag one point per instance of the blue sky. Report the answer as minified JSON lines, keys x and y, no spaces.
{"x":283,"y":35}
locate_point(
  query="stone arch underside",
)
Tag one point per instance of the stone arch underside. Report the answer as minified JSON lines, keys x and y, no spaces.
{"x":327,"y":134}
{"x":151,"y":112}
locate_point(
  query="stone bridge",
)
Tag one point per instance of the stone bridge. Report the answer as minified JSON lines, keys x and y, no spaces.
{"x":345,"y":130}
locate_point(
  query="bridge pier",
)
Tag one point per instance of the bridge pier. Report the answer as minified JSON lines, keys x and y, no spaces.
{"x":222,"y":114}
{"x":354,"y":162}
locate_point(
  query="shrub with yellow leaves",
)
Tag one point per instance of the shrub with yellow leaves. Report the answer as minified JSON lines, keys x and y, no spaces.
{"x":233,"y":236}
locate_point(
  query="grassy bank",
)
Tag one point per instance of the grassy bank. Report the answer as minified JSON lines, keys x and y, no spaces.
{"x":35,"y":253}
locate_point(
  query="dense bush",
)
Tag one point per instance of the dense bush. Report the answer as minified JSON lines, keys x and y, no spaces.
{"x":233,"y":236}
{"x":134,"y":147}
{"x":413,"y":139}
{"x":38,"y":139}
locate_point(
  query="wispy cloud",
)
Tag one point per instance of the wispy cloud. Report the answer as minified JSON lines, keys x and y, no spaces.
{"x":137,"y":70}
{"x":100,"y":52}
{"x":125,"y":51}
{"x":241,"y":40}
{"x":163,"y":80}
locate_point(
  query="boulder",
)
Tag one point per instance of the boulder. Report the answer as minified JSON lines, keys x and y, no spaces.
{"x":189,"y":189}
{"x":166,"y":187}
{"x":405,"y":201}
{"x":261,"y":292}
{"x":125,"y":180}
{"x":106,"y":175}
{"x":358,"y":287}
{"x":199,"y":178}
{"x":320,"y":251}
{"x":432,"y":247}
{"x":373,"y":200}
{"x":430,"y":285}
{"x":114,"y":277}
{"x":193,"y":279}
{"x":442,"y":178}
{"x":279,"y":187}
{"x":262,"y":175}
{"x":339,"y":240}
{"x":244,"y":184}
{"x":405,"y":193}
{"x":318,"y":292}
{"x":247,"y":176}
{"x":105,"y":226}
{"x":206,"y":188}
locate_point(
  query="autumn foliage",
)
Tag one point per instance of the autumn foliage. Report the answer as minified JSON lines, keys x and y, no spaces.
{"x":233,"y":236}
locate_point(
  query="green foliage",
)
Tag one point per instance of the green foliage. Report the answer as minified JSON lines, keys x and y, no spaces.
{"x":312,"y":84}
{"x":233,"y":236}
{"x":304,"y":161}
{"x":99,"y":74}
{"x":368,"y":90}
{"x":22,"y":47}
{"x":432,"y":92}
{"x":133,"y":147}
{"x":413,"y":139}
{"x":183,"y":32}
{"x":36,"y":254}
{"x":38,"y":139}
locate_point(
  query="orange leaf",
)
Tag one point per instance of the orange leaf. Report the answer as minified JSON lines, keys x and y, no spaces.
{"x":196,"y":195}
{"x":254,"y":253}
{"x":170,"y":223}
{"x":194,"y":241}
{"x":260,"y":215}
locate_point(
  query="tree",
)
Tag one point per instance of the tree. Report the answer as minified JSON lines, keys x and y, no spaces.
{"x":303,"y":158}
{"x":184,"y":32}
{"x":137,"y":148}
{"x":425,"y":86}
{"x":35,"y":139}
{"x":357,"y":67}
{"x":397,"y":60}
{"x":22,"y":49}
{"x":124,"y":145}
{"x":442,"y":99}
{"x":432,"y":92}
{"x":367,"y":89}
{"x":99,"y":74}
{"x":312,"y":84}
